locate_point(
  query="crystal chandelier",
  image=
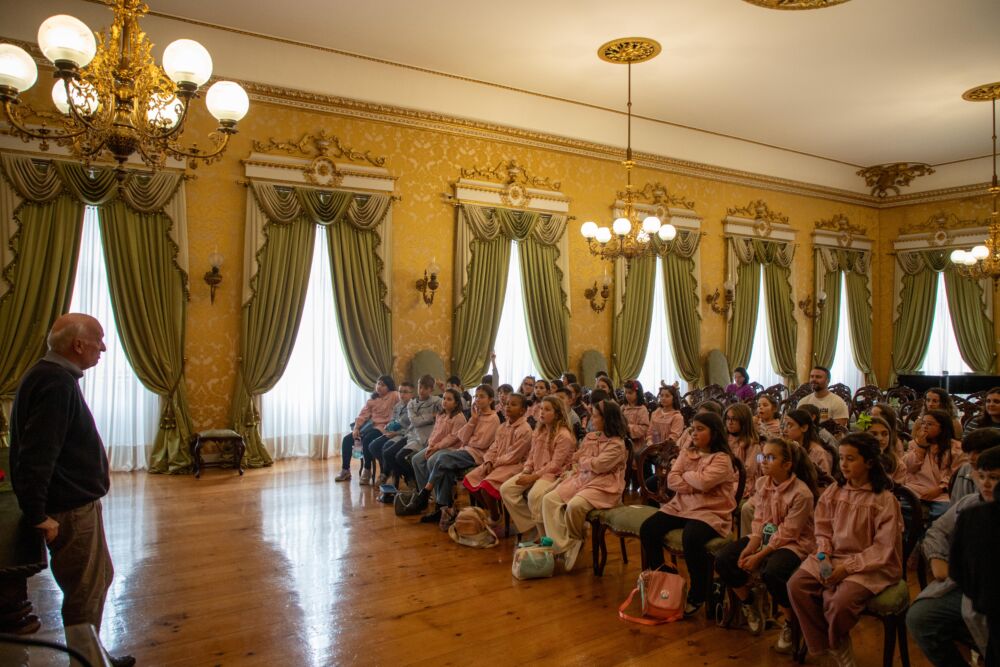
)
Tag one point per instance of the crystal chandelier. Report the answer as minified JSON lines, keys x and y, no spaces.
{"x":112,"y":98}
{"x":629,"y":236}
{"x":983,"y":261}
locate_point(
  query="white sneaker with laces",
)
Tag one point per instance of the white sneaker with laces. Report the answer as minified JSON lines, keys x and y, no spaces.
{"x":784,"y":644}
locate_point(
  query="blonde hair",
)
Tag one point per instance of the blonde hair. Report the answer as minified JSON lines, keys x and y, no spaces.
{"x":561,"y":420}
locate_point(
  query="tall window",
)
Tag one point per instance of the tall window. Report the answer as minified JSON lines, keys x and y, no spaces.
{"x":513,"y":352}
{"x":942,"y":350}
{"x":760,"y":367}
{"x":843,"y":368}
{"x":315,"y":401}
{"x":126,"y":413}
{"x":659,"y":364}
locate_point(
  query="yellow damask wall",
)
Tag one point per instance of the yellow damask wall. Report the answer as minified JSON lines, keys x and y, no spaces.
{"x":425,"y":161}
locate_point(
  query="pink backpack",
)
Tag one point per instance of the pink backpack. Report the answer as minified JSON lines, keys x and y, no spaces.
{"x":663,"y":595}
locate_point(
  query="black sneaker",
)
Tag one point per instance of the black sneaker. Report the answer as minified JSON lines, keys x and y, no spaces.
{"x":433,"y":517}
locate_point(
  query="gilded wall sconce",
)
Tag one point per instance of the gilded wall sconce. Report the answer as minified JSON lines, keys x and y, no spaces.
{"x":428,"y":285}
{"x":213,"y":278}
{"x":591,"y":294}
{"x":813,"y":310}
{"x":722,"y":302}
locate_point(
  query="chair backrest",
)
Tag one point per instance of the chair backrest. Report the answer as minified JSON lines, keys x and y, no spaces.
{"x":843,"y":391}
{"x":717,"y":368}
{"x":779,"y":391}
{"x":967,"y":410}
{"x":793,"y":399}
{"x":864,"y":399}
{"x":901,"y":394}
{"x":590,"y":362}
{"x":913,"y":520}
{"x":426,"y":362}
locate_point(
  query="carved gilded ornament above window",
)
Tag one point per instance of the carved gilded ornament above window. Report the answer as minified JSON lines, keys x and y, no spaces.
{"x":884,"y":177}
{"x":938,"y":226}
{"x":323,"y":148}
{"x":762,"y":215}
{"x":796,"y":4}
{"x":660,"y":198}
{"x":515,"y":181}
{"x":846,"y":232}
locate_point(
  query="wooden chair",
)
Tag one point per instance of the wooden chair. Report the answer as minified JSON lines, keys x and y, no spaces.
{"x":901,"y":393}
{"x":843,"y":391}
{"x":864,"y":400}
{"x":793,"y":399}
{"x":967,"y":410}
{"x":779,"y":391}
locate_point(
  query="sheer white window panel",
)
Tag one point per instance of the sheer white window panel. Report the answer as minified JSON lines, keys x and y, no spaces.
{"x":843,"y":368}
{"x":659,"y":363}
{"x":760,"y":367}
{"x":126,"y":413}
{"x":313,"y":404}
{"x":942,"y":350}
{"x":512,"y":348}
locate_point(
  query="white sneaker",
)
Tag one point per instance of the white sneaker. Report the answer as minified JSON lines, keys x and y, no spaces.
{"x":343,"y":476}
{"x":754,"y":621}
{"x":366,"y":477}
{"x":784,"y":644}
{"x":570,"y":555}
{"x":843,"y":654}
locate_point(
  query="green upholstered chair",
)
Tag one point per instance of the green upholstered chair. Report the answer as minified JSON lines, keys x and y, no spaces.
{"x":717,"y":368}
{"x":426,"y":362}
{"x":591,"y":362}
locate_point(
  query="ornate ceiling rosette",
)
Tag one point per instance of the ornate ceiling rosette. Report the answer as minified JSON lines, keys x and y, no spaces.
{"x":796,"y":4}
{"x":882,"y":178}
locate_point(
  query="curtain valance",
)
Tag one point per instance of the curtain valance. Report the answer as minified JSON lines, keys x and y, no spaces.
{"x":840,"y":259}
{"x":282,"y":205}
{"x":748,"y":250}
{"x":914,"y":262}
{"x":487,"y":223}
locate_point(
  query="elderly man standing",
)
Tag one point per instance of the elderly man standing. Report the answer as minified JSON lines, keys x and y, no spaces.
{"x":59,"y":469}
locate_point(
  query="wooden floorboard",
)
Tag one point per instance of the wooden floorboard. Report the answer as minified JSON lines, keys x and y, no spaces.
{"x":286,"y":567}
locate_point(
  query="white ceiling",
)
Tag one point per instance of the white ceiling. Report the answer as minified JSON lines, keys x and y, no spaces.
{"x":862,"y":83}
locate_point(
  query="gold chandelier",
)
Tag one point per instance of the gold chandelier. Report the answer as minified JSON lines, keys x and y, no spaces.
{"x":983,"y":261}
{"x":629,"y":237}
{"x":112,"y":98}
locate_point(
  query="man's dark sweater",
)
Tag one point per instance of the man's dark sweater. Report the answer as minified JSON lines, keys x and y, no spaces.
{"x":57,"y":459}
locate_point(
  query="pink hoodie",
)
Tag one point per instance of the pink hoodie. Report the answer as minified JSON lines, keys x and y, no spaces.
{"x":923,"y":474}
{"x":478,"y":434}
{"x":598,"y":473}
{"x":705,"y":488}
{"x":748,"y":454}
{"x":637,"y":418}
{"x":507,"y":454}
{"x":445,"y":433}
{"x":665,"y":425}
{"x":550,"y":459}
{"x":379,"y":410}
{"x":789,"y":507}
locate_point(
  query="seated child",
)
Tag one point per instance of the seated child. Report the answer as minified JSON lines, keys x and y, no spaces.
{"x":504,"y":458}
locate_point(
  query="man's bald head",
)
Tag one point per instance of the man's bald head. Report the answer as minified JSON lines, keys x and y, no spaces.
{"x":77,"y":337}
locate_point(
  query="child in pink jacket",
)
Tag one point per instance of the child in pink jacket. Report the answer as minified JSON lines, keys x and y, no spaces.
{"x":635,"y":412}
{"x":859,"y":531}
{"x":933,"y":459}
{"x":666,"y":423}
{"x":704,"y":480}
{"x":503,"y":459}
{"x":596,"y":481}
{"x":552,"y":448}
{"x":781,"y":534}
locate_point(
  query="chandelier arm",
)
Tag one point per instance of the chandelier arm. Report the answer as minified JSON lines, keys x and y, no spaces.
{"x":81,"y":119}
{"x":196,"y":153}
{"x":44,"y":133}
{"x":170,"y":132}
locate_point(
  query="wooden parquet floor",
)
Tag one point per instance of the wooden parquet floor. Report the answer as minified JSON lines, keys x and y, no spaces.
{"x":285,"y":567}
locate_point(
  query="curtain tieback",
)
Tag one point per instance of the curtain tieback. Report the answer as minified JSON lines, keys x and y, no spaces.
{"x":168,"y":420}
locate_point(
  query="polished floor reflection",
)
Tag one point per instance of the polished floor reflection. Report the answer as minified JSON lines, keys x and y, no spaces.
{"x":284,"y":567}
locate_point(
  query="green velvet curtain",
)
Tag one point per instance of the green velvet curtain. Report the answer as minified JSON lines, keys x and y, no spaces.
{"x":150,"y":314}
{"x":915,"y":312}
{"x":781,"y":328}
{"x":859,"y":312}
{"x":545,"y":307}
{"x":477,"y":317}
{"x":41,"y":276}
{"x":683,"y":305}
{"x":826,"y":326}
{"x":270,"y":324}
{"x":973,"y":329}
{"x":743,"y":321}
{"x":482,"y":256}
{"x":855,"y":266}
{"x":633,"y":317}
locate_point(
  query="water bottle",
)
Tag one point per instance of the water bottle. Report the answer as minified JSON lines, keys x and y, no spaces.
{"x":769,"y":530}
{"x":357,"y":453}
{"x":547,"y":541}
{"x":825,"y":569}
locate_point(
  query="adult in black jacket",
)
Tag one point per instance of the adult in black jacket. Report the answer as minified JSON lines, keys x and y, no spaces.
{"x":59,"y":469}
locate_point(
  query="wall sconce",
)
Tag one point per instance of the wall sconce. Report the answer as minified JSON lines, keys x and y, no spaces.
{"x":591,"y":294}
{"x":429,"y":283}
{"x":213,"y":278}
{"x":726,"y":297}
{"x":813,"y":310}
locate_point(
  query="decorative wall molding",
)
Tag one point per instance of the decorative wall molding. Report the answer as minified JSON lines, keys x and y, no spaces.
{"x":941,"y":231}
{"x":756,"y":219}
{"x":507,"y":185}
{"x":840,"y":232}
{"x":795,"y":4}
{"x":884,"y":177}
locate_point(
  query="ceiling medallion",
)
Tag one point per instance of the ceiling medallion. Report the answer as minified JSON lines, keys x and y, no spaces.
{"x":629,"y":50}
{"x":884,"y":177}
{"x":983,"y":93}
{"x":795,"y":4}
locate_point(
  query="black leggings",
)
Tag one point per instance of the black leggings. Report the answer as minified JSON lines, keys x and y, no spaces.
{"x":347,"y":447}
{"x":403,"y":467}
{"x":375,"y":451}
{"x":776,"y":569}
{"x":388,"y":459}
{"x":696,"y":535}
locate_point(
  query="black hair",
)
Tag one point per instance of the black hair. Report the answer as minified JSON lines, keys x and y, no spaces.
{"x":614,"y":420}
{"x":675,"y":395}
{"x":944,"y":438}
{"x":563,"y":390}
{"x":601,"y":374}
{"x":868,"y":448}
{"x":710,"y":406}
{"x":742,"y":371}
{"x":980,"y":440}
{"x":577,"y":392}
{"x":719,"y":441}
{"x":487,"y":379}
{"x":457,"y":397}
{"x":389,"y":383}
{"x":506,"y":389}
{"x":944,"y":398}
{"x":636,"y":386}
{"x":989,"y":460}
{"x":487,"y":389}
{"x":556,"y":384}
{"x":519,"y":397}
{"x":824,"y":369}
{"x":569,"y":377}
{"x":802,"y":465}
{"x":548,"y":387}
{"x":813,"y":412}
{"x":455,"y":380}
{"x":598,"y":395}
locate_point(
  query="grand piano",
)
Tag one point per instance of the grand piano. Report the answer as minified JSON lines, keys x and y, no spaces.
{"x":959,"y":383}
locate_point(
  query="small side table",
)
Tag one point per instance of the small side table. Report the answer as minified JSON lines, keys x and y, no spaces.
{"x":220,"y":435}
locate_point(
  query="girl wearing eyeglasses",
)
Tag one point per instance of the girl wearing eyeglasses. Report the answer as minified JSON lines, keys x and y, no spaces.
{"x":780,"y":537}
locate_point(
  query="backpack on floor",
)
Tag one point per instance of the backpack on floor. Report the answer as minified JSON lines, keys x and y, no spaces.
{"x":471,"y":528}
{"x":663,"y":596}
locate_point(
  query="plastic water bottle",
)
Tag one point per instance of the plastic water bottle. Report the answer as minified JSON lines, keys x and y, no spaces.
{"x":357,"y":453}
{"x":769,"y":530}
{"x":547,"y":541}
{"x":825,"y":569}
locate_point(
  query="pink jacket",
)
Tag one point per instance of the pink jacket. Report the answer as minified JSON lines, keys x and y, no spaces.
{"x":705,"y":489}
{"x":550,"y":459}
{"x":378,"y":410}
{"x":598,"y":474}
{"x":478,"y":434}
{"x":637,"y":418}
{"x":923,"y":474}
{"x":863,"y":531}
{"x":748,"y":454}
{"x":665,"y":425}
{"x":445,"y":433}
{"x":822,"y":459}
{"x":507,"y":454}
{"x":789,"y":506}
{"x":771,"y":429}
